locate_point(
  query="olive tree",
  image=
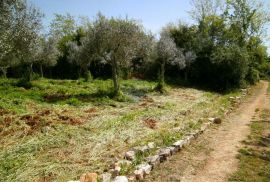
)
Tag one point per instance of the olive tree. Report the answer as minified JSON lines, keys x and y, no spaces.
{"x":46,"y":53}
{"x":10,"y":18}
{"x":167,"y":52}
{"x":20,"y":24}
{"x":116,"y":42}
{"x":81,"y":55}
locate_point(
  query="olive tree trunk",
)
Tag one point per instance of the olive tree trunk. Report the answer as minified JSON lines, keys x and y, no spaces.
{"x":4,"y":71}
{"x":29,"y":72}
{"x":41,"y":70}
{"x":161,"y":81}
{"x":115,"y":77}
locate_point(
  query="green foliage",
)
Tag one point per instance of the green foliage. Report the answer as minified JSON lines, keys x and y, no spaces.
{"x":87,"y":76}
{"x":25,"y":83}
{"x":74,"y":102}
{"x":253,"y":76}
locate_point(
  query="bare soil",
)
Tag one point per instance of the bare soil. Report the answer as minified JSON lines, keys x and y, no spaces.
{"x":212,"y":157}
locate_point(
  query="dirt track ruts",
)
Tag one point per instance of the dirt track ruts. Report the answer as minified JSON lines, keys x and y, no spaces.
{"x":212,"y":158}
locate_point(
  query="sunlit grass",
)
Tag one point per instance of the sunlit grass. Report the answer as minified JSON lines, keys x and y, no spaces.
{"x":81,"y":127}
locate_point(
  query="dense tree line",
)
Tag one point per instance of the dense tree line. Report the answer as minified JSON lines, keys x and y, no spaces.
{"x":221,"y":50}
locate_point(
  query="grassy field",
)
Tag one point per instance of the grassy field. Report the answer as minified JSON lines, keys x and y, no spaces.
{"x":58,"y":129}
{"x":254,"y":165}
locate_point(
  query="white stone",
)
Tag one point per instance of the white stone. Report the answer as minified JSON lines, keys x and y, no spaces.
{"x":131,"y":178}
{"x":179,"y":144}
{"x":153,"y":160}
{"x":142,"y":149}
{"x":139,"y":174}
{"x":173,"y":150}
{"x":120,"y":179}
{"x":123,"y":163}
{"x":165,"y":152}
{"x":211,"y":119}
{"x":106,"y":177}
{"x":146,"y":168}
{"x":151,"y":145}
{"x":130,"y":155}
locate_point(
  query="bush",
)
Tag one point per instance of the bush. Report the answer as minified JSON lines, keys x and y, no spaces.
{"x":23,"y":82}
{"x":74,"y":101}
{"x":253,"y":76}
{"x":87,"y":76}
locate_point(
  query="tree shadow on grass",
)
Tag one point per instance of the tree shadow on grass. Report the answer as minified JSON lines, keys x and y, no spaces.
{"x":98,"y":96}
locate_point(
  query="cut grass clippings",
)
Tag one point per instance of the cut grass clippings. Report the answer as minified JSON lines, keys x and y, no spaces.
{"x":58,"y":129}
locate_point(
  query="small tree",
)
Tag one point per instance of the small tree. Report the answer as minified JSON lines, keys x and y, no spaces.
{"x":82,"y":56}
{"x":26,"y":35}
{"x":47,"y":53}
{"x":167,"y":52}
{"x":114,"y":41}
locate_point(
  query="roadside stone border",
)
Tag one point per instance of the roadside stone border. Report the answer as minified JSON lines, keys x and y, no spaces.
{"x":161,"y":155}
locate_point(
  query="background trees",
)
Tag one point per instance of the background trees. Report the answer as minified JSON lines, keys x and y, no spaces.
{"x":20,"y":27}
{"x":112,"y":41}
{"x":167,"y":52}
{"x":223,"y":49}
{"x":47,"y":53}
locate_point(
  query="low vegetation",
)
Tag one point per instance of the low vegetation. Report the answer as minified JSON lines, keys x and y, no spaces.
{"x":74,"y":99}
{"x":59,"y":129}
{"x":255,"y":156}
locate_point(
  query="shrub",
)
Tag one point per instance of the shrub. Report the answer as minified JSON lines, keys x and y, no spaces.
{"x":253,"y":76}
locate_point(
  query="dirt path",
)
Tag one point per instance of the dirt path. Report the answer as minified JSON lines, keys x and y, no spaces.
{"x":212,"y":157}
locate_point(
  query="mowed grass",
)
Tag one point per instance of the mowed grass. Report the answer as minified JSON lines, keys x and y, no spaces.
{"x":254,"y":158}
{"x":59,"y":129}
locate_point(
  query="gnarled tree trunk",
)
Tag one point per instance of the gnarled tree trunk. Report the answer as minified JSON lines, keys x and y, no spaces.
{"x":115,"y":78}
{"x":4,"y":71}
{"x":41,"y":70}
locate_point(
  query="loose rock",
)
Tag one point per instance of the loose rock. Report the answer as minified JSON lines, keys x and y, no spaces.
{"x":217,"y":121}
{"x":153,"y":160}
{"x":179,"y":144}
{"x":173,"y":150}
{"x":123,"y":163}
{"x":139,"y":174}
{"x":142,"y":149}
{"x":130,"y":155}
{"x":106,"y":177}
{"x":211,"y":119}
{"x":165,"y":152}
{"x":89,"y":177}
{"x":146,"y":168}
{"x":131,"y":178}
{"x":120,"y":179}
{"x":151,"y":145}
